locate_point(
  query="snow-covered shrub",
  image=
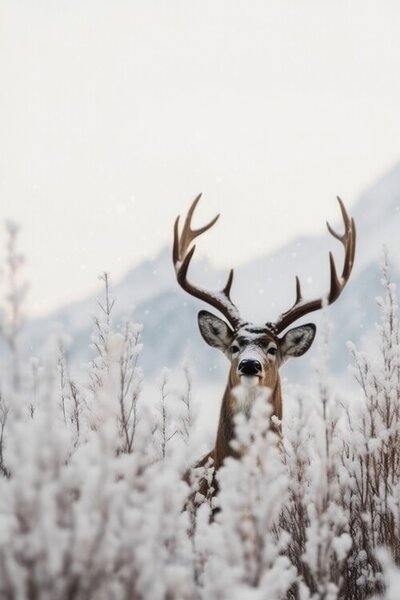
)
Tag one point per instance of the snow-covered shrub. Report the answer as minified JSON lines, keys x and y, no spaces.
{"x":93,"y":480}
{"x":13,"y":312}
{"x":246,"y":551}
{"x":343,"y":457}
{"x":88,"y":506}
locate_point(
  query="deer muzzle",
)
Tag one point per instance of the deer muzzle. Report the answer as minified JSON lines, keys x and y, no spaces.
{"x":250,"y":368}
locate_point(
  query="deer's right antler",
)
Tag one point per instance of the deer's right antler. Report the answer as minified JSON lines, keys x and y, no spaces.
{"x":182,"y":255}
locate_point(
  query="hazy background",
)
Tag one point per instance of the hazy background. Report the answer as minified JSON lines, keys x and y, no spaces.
{"x":115,"y":114}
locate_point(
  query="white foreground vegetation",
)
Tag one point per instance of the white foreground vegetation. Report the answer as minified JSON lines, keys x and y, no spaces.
{"x":93,"y":499}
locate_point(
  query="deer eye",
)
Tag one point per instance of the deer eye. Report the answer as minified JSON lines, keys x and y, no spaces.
{"x":272,"y":351}
{"x":235,"y":349}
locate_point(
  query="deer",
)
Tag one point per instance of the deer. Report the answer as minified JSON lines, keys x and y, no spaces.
{"x":255,"y":352}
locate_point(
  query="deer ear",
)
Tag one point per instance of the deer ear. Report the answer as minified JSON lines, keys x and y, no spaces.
{"x":297,"y":341}
{"x":214,"y":330}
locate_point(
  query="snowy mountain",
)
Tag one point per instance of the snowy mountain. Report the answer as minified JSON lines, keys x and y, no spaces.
{"x":263,"y":288}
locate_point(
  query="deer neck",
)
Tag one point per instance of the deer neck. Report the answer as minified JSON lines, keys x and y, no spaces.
{"x":226,"y":426}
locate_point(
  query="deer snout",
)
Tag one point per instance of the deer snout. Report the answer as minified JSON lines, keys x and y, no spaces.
{"x":249,"y":367}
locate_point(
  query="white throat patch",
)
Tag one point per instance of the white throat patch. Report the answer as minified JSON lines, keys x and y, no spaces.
{"x":246,"y":393}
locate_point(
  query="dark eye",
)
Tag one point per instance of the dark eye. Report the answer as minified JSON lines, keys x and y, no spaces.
{"x":271,"y":351}
{"x":235,"y":349}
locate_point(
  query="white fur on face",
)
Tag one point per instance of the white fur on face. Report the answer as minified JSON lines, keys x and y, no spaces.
{"x":256,"y":352}
{"x":251,"y":342}
{"x":250,"y":381}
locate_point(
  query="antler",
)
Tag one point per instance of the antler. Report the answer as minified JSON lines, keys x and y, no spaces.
{"x":182,"y":255}
{"x":301,"y":306}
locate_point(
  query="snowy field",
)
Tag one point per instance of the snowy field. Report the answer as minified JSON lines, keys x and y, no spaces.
{"x":136,"y":461}
{"x":93,"y":500}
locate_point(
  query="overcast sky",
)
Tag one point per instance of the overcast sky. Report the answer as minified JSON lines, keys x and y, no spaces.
{"x":115,"y":114}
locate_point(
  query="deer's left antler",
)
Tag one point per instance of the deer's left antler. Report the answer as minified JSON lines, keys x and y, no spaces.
{"x":301,"y":306}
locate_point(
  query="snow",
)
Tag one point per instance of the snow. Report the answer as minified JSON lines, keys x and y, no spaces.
{"x":83,"y":507}
{"x":94,"y":470}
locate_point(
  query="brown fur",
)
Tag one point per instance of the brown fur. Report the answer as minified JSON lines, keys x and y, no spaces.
{"x":225,"y":432}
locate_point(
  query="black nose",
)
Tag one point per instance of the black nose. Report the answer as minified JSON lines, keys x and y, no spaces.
{"x":249,"y":367}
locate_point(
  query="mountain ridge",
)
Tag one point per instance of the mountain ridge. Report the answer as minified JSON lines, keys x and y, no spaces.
{"x":263,"y":288}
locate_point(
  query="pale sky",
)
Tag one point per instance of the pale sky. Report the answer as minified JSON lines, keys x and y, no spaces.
{"x":115,"y":114}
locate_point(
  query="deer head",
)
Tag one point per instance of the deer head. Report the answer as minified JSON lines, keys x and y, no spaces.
{"x":257,"y":352}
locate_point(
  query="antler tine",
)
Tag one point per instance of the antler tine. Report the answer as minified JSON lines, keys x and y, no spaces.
{"x":299,"y":297}
{"x":182,"y":243}
{"x":227,"y":288}
{"x":348,"y":239}
{"x":302,"y":307}
{"x":182,"y":255}
{"x":346,"y":220}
